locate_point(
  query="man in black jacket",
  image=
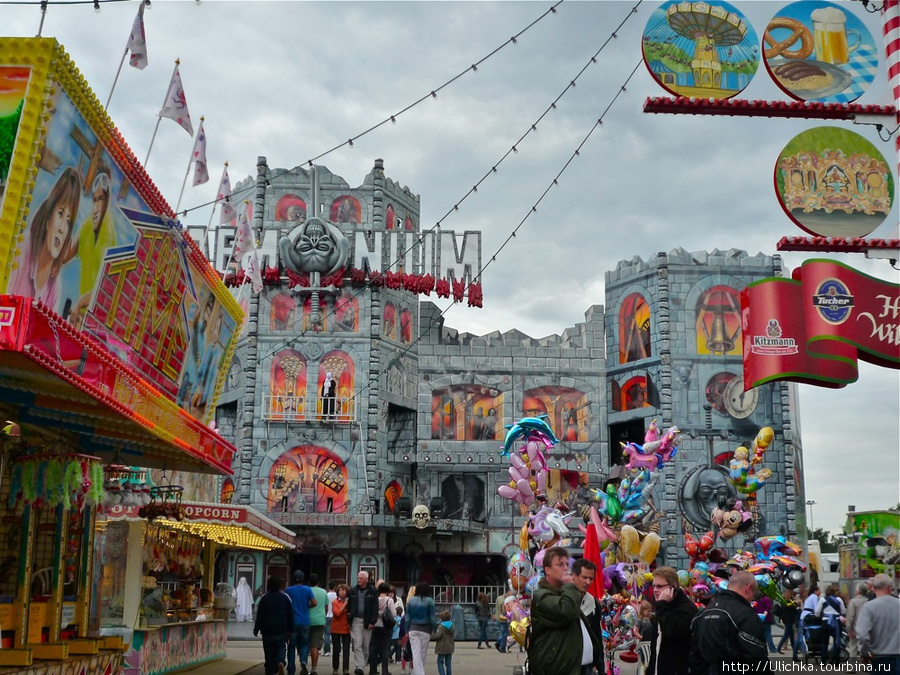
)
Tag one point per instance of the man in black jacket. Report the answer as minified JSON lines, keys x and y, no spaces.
{"x":362,"y":611}
{"x":670,"y":634}
{"x":728,"y":632}
{"x":583,"y":574}
{"x":275,"y":620}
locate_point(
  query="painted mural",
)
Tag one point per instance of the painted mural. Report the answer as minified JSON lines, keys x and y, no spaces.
{"x":311,"y":475}
{"x":879,"y":543}
{"x":291,"y":210}
{"x":718,"y":322}
{"x":820,"y":51}
{"x":466,"y":412}
{"x":13,"y":83}
{"x":345,"y":209}
{"x":715,"y":391}
{"x":346,"y":313}
{"x":464,"y":497}
{"x":567,"y":410}
{"x":283,"y":312}
{"x":700,"y":491}
{"x":170,"y":648}
{"x":90,"y":234}
{"x":832,"y":182}
{"x":632,"y":394}
{"x":288,"y":382}
{"x":390,"y":321}
{"x":307,"y":323}
{"x":392,"y":492}
{"x":634,"y":329}
{"x":700,"y":49}
{"x":343,"y":372}
{"x":406,"y":326}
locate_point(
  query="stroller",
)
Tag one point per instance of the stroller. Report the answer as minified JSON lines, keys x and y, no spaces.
{"x":816,"y":634}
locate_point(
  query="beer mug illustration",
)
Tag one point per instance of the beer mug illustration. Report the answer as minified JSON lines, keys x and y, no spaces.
{"x":832,"y":36}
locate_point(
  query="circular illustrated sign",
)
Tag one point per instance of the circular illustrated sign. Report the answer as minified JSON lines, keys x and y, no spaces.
{"x":705,"y":50}
{"x":819,"y":51}
{"x":834,"y":183}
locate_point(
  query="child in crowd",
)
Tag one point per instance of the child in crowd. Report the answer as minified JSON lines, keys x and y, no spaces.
{"x":444,"y":646}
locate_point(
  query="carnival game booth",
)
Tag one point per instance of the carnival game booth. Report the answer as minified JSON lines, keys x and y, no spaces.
{"x":155,"y":577}
{"x":114,"y":333}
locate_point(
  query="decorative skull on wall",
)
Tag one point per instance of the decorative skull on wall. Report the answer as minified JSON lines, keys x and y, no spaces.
{"x":421,"y":516}
{"x":318,"y":246}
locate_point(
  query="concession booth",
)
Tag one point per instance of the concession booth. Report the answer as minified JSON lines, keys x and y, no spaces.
{"x":115,"y":335}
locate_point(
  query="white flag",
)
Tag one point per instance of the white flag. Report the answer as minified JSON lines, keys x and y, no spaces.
{"x":201,"y":175}
{"x":243,"y":242}
{"x":253,"y":270}
{"x":226,"y":213}
{"x":243,"y":300}
{"x":175,"y":107}
{"x":137,"y":41}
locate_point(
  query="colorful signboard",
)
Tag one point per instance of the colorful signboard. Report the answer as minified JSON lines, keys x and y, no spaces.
{"x":814,"y":327}
{"x":84,"y":231}
{"x":707,"y":50}
{"x":820,"y":51}
{"x":878,"y":541}
{"x":834,"y":183}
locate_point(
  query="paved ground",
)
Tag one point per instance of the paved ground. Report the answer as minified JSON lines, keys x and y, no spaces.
{"x":245,"y":657}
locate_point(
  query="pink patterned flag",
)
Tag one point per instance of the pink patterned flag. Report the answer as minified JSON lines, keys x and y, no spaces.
{"x":253,"y":271}
{"x":243,"y":242}
{"x":137,"y":41}
{"x":226,"y":213}
{"x":175,"y":107}
{"x":201,"y":175}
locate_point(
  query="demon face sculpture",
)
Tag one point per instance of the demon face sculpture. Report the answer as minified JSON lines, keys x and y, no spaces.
{"x":318,"y":246}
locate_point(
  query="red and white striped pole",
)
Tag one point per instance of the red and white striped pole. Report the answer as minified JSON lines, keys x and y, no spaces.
{"x":891,"y":15}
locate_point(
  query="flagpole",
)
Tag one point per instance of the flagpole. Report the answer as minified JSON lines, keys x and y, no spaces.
{"x":211,"y":214}
{"x":158,"y":116}
{"x":118,"y":72}
{"x":188,"y":171}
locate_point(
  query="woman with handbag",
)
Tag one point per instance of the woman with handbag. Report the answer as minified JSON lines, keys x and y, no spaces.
{"x":383,"y":631}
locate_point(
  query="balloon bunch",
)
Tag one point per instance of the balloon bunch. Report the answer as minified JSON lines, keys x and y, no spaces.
{"x":618,"y":617}
{"x":741,"y":470}
{"x":656,"y":450}
{"x":528,"y":468}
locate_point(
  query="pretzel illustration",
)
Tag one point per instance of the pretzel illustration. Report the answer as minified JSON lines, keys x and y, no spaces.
{"x":799,"y":33}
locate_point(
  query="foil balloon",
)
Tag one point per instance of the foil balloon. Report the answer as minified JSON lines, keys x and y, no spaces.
{"x":628,"y":617}
{"x":649,"y":548}
{"x":519,"y":620}
{"x":684,"y":578}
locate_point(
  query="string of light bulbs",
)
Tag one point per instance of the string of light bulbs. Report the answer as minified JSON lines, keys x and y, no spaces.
{"x":529,"y":213}
{"x":532,"y":128}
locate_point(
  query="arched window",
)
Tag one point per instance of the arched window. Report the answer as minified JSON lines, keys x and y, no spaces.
{"x":291,"y":210}
{"x":634,"y":329}
{"x":567,"y":410}
{"x":346,"y":314}
{"x":343,"y":373}
{"x":406,"y":326}
{"x":288,"y":385}
{"x":345,"y":209}
{"x":390,"y":321}
{"x":719,"y":322}
{"x":308,"y":478}
{"x":284,"y":310}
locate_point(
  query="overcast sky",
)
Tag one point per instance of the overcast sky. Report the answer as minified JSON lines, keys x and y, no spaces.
{"x":289,"y":80}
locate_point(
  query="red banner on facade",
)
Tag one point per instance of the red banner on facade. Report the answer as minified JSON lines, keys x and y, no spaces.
{"x":814,"y":327}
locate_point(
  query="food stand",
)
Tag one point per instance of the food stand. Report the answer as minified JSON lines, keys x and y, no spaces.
{"x":158,"y":595}
{"x":113,"y":351}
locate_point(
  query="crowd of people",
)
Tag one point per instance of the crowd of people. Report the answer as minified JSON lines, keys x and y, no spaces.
{"x":367,"y":627}
{"x":732,"y":633}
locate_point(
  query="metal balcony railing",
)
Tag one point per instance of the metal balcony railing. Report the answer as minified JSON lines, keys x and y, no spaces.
{"x":289,"y":408}
{"x":465,"y":595}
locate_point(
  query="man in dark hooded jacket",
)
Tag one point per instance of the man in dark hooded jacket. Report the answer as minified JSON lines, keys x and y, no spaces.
{"x":670,"y":635}
{"x":728,"y":632}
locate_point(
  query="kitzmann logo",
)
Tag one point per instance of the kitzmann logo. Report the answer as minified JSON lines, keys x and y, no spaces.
{"x":833,"y":301}
{"x":773,"y":343}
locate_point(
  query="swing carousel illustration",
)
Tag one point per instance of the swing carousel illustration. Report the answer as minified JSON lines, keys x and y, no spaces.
{"x":700,"y":49}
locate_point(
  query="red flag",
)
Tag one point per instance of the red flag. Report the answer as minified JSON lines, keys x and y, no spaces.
{"x":137,"y":41}
{"x":175,"y":107}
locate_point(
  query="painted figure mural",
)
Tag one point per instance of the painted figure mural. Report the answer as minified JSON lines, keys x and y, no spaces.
{"x":566,"y":408}
{"x":466,"y":412}
{"x":345,"y":209}
{"x":634,"y":329}
{"x":288,"y":381}
{"x":290,"y":209}
{"x":308,"y":478}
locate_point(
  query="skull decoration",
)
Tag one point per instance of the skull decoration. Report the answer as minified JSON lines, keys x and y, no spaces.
{"x":421,"y":516}
{"x":318,"y":246}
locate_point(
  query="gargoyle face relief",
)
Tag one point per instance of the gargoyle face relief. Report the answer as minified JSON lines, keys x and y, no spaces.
{"x":318,"y":247}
